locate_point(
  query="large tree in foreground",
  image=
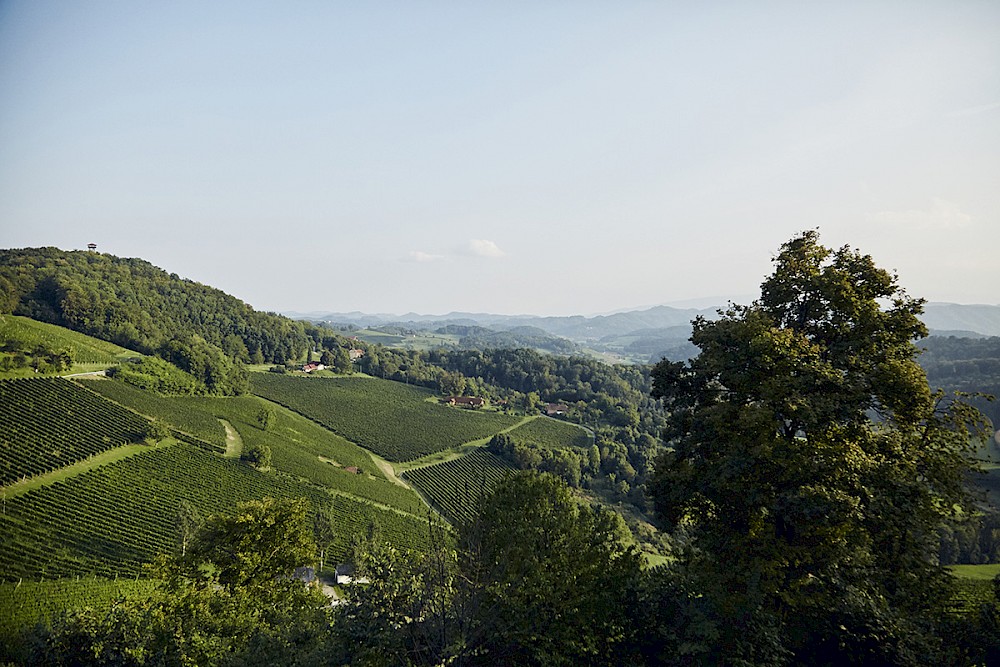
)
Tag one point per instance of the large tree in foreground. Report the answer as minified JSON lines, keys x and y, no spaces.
{"x":230,"y":599}
{"x":539,"y":578}
{"x":811,"y":465}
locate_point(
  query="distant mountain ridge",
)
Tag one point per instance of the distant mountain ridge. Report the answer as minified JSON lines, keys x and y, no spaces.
{"x":949,"y":318}
{"x":978,"y":318}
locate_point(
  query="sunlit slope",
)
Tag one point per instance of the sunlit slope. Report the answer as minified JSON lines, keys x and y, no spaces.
{"x":396,"y":421}
{"x":48,"y":423}
{"x":88,"y":353}
{"x":551,"y":433}
{"x":299,"y":447}
{"x":89,"y":513}
{"x":181,"y":412}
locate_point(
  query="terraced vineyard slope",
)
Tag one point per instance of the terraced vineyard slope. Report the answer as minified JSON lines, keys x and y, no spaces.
{"x":456,"y":487}
{"x":394,"y":420}
{"x":48,"y":423}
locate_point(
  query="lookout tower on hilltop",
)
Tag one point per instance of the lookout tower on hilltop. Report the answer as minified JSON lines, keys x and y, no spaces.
{"x":92,"y":247}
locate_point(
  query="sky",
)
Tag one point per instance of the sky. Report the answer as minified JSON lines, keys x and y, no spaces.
{"x":547,"y":158}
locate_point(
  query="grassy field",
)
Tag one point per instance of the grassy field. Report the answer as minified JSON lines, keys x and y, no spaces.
{"x":306,"y":450}
{"x":110,"y":510}
{"x":973,"y":587}
{"x":299,"y":447}
{"x":978,"y":572}
{"x":396,"y":421}
{"x":181,"y":412}
{"x":111,"y":520}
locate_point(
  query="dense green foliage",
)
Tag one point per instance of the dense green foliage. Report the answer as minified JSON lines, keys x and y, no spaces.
{"x":391,"y":419}
{"x":574,"y":466}
{"x":812,"y":526}
{"x":556,"y":568}
{"x":231,"y":600}
{"x":25,"y":604}
{"x":132,"y":303}
{"x":47,"y":423}
{"x":538,"y":580}
{"x":155,"y":374}
{"x":970,"y":365}
{"x":975,"y":538}
{"x":113,"y":519}
{"x":456,"y":487}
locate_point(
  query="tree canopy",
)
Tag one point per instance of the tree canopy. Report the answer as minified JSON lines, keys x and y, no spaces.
{"x":538,"y":579}
{"x":810,"y":465}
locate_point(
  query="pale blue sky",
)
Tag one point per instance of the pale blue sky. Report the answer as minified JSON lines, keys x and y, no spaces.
{"x":516,"y":157}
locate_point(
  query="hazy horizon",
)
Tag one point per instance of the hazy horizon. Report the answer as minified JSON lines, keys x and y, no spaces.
{"x":539,"y":158}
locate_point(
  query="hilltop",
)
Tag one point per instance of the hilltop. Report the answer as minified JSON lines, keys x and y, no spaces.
{"x":131,"y":303}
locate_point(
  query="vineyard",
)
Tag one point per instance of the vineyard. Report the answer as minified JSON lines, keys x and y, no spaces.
{"x":182,"y":412}
{"x":551,"y":434}
{"x":48,"y":423}
{"x":299,"y":447}
{"x":456,"y":487}
{"x":970,"y":594}
{"x":86,"y":349}
{"x":302,"y":448}
{"x":394,"y":420}
{"x":111,"y":520}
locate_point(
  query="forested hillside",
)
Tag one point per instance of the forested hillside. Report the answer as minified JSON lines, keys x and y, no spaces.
{"x":136,"y":305}
{"x":965,"y":364}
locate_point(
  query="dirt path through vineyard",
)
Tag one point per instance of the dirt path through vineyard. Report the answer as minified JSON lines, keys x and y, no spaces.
{"x":234,"y":443}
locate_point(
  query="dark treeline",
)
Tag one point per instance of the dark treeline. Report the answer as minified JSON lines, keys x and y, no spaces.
{"x":965,"y":364}
{"x":136,"y":305}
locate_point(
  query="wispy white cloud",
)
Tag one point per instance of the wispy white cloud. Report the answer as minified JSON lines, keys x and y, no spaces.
{"x":422,"y":257}
{"x":941,"y":214}
{"x":975,"y":111}
{"x":483,"y":248}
